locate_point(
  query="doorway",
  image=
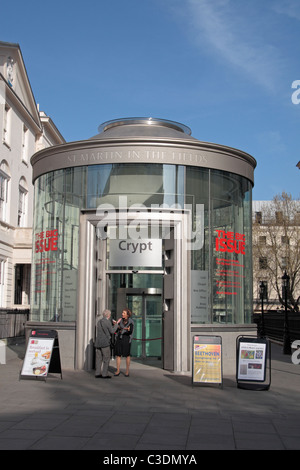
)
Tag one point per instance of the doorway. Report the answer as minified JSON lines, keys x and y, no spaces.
{"x":143,"y":294}
{"x":99,"y":283}
{"x":146,"y":308}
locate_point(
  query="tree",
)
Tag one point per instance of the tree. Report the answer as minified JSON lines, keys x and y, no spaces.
{"x":276,"y":247}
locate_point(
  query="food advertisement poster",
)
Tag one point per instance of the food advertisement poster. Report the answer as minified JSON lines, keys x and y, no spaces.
{"x":252,"y":361}
{"x":37,"y":357}
{"x":207,"y":363}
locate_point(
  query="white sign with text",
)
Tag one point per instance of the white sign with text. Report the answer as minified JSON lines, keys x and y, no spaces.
{"x":146,"y":253}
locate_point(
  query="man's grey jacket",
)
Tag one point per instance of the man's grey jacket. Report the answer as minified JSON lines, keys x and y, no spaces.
{"x":103,"y":332}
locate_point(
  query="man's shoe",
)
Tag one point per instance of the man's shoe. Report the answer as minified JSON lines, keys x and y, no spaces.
{"x":98,"y":376}
{"x":106,"y":377}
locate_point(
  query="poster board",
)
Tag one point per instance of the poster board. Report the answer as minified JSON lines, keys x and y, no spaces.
{"x":42,"y":355}
{"x":252,"y":363}
{"x":207,"y":360}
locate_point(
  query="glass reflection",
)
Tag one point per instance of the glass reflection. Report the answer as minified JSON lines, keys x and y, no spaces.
{"x":223,"y":276}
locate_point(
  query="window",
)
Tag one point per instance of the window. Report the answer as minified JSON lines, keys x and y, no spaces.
{"x":22,"y":284}
{"x":279,"y":217}
{"x":2,"y":281}
{"x":285,"y":240}
{"x":263,"y":263}
{"x":258,"y":217}
{"x":25,"y":144}
{"x":4,"y":187}
{"x":6,"y":125}
{"x":262,"y":240}
{"x":22,"y":205}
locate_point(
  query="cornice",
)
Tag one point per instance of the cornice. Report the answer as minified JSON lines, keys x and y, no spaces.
{"x":47,"y":122}
{"x":142,"y":141}
{"x":143,"y":150}
{"x":14,"y":99}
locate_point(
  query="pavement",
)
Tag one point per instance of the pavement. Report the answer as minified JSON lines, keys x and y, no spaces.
{"x":151,"y":410}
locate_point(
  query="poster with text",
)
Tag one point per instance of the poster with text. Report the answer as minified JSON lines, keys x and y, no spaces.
{"x":252,"y":361}
{"x":37,"y":357}
{"x":207,"y":363}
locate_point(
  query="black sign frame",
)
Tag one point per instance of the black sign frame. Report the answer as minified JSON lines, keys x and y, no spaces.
{"x":51,"y":363}
{"x":253,"y":363}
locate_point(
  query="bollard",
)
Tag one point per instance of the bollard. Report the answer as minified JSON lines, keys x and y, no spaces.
{"x":2,"y":351}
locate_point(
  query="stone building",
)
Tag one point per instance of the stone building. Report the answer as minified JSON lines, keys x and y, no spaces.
{"x":24,"y":130}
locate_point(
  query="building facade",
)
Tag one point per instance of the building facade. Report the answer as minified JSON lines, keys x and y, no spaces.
{"x":24,"y":130}
{"x":276,"y":251}
{"x":146,"y":216}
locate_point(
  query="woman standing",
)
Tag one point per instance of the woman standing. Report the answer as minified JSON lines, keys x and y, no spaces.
{"x":123,"y":340}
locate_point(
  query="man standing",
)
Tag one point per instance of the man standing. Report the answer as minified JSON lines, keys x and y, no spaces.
{"x":103,"y":341}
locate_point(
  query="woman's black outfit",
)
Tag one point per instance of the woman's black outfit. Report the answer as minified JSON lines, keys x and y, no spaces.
{"x":123,"y":338}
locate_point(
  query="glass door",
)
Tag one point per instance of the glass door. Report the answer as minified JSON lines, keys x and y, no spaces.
{"x":153,"y":325}
{"x":142,"y":294}
{"x":147,"y":316}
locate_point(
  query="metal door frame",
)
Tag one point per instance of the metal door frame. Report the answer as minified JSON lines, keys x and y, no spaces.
{"x":178,"y":286}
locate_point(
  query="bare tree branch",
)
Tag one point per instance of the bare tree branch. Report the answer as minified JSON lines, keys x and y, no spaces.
{"x":276,"y":247}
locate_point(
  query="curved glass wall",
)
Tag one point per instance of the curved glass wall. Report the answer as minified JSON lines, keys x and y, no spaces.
{"x":220,"y":268}
{"x":58,"y":199}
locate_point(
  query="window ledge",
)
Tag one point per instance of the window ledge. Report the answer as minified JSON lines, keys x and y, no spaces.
{"x":6,"y":225}
{"x":6,"y":144}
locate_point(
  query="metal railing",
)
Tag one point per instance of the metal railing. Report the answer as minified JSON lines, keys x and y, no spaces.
{"x":12,"y":322}
{"x":274,"y":325}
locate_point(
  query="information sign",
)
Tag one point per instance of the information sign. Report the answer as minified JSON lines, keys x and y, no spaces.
{"x":146,"y":252}
{"x":252,"y":354}
{"x":199,"y":296}
{"x":42,"y":355}
{"x":207,"y":359}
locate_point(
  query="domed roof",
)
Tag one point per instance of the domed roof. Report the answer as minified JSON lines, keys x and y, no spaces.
{"x":143,"y":140}
{"x":143,"y":127}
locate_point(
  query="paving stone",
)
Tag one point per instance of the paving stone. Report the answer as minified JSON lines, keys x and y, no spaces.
{"x":152,"y":410}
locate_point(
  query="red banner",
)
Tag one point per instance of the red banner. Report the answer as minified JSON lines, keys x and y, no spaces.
{"x":46,"y":241}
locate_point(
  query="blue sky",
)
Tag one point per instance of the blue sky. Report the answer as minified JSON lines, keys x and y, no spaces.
{"x":225,"y":68}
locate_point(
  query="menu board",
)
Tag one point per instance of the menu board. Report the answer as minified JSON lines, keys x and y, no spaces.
{"x":207,"y":359}
{"x":38,"y":354}
{"x":252,"y":358}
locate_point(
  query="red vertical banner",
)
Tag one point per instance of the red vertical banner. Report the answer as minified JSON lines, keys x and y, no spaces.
{"x":45,"y":244}
{"x":229,"y":247}
{"x":46,"y":241}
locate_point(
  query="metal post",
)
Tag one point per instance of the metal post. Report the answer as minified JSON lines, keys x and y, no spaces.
{"x":286,"y":332}
{"x":262,"y":293}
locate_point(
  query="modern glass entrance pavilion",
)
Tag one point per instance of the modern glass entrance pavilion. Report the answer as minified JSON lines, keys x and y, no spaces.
{"x":146,"y":216}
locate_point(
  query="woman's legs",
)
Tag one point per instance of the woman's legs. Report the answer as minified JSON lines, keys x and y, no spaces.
{"x":127,"y":365}
{"x":118,"y":362}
